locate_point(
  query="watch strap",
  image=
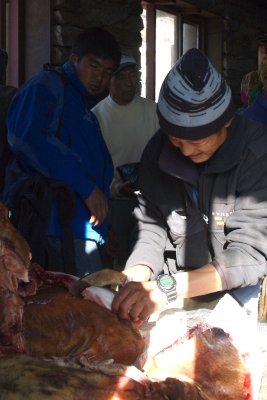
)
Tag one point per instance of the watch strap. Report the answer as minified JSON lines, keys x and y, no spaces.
{"x":169,"y":290}
{"x":171,"y":295}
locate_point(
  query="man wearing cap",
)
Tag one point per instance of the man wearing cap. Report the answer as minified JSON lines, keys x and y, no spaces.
{"x":127,"y":122}
{"x":202,"y":211}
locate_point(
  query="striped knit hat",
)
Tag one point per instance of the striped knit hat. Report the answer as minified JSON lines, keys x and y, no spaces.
{"x":194,"y":100}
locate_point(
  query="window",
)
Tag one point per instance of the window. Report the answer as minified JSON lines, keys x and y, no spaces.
{"x":190,"y":36}
{"x":166,"y":47}
{"x":11,"y":38}
{"x":167,"y":34}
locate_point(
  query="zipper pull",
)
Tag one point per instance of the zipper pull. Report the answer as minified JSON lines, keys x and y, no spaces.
{"x":206,"y":219}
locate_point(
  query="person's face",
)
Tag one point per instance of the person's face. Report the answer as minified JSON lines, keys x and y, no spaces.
{"x":201,"y":150}
{"x":123,"y":85}
{"x":94,"y":72}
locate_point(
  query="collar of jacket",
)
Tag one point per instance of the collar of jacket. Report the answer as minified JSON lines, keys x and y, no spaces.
{"x":172,"y":161}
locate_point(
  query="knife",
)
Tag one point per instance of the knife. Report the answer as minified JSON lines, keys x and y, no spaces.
{"x":104,"y":277}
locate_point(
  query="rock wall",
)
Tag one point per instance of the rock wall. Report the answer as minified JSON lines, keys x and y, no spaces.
{"x":243,"y":21}
{"x":120,"y":17}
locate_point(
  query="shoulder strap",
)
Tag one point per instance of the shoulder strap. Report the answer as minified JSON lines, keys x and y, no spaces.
{"x":30,"y":214}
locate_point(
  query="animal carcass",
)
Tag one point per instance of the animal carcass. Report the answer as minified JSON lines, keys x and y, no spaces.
{"x":24,"y":377}
{"x":57,"y":324}
{"x":38,"y":315}
{"x":206,"y":358}
{"x":41,"y":320}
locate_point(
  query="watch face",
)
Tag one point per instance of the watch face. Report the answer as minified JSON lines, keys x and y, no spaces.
{"x":167,"y":282}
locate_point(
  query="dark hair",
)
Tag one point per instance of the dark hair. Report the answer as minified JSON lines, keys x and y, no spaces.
{"x":97,"y":41}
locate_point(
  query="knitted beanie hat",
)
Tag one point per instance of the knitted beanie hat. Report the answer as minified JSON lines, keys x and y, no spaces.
{"x":194,"y":100}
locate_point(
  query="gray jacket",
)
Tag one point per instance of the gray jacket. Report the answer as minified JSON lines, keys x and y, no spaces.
{"x":214,"y":213}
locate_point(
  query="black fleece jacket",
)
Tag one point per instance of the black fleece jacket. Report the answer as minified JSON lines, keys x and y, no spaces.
{"x":214,"y":214}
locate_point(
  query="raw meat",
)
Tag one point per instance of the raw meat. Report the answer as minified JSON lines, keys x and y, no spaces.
{"x":206,"y":358}
{"x":58,"y":324}
{"x":23,"y":378}
{"x":40,"y":317}
{"x":14,"y":263}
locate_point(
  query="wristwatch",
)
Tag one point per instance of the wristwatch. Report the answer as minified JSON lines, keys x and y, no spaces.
{"x":167,"y":284}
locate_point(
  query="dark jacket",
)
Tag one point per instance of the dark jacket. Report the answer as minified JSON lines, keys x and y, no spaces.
{"x":216,"y":212}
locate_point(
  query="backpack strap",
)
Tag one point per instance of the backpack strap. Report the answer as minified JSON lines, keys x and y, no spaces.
{"x":66,"y":211}
{"x":31,"y":215}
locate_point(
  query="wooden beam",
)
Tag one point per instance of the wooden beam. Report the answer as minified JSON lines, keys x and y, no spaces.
{"x":150,"y":51}
{"x":3,"y":24}
{"x":161,"y":2}
{"x":15,"y":41}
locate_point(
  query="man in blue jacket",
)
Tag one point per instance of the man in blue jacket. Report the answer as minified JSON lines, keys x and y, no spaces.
{"x":56,"y":140}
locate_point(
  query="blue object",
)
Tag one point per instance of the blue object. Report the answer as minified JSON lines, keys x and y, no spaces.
{"x":78,"y":157}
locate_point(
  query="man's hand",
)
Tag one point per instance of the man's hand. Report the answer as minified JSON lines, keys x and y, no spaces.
{"x":97,"y":205}
{"x":138,"y":300}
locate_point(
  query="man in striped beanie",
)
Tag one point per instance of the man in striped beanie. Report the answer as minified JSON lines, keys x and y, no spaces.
{"x":194,"y":100}
{"x":202,"y":205}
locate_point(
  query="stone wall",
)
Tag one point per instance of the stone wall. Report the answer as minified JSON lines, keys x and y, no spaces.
{"x":243,"y":21}
{"x":120,"y":17}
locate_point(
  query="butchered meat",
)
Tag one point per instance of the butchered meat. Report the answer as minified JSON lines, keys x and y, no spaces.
{"x":22,"y":377}
{"x":207,"y":358}
{"x":54,"y":345}
{"x":58,"y":324}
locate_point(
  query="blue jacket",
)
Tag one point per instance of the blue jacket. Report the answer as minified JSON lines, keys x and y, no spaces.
{"x":258,"y":109}
{"x":52,"y":131}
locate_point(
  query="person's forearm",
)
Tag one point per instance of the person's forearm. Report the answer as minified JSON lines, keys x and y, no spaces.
{"x":198,"y":282}
{"x":138,"y":273}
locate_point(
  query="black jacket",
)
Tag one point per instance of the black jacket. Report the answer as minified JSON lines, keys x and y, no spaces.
{"x":215,"y":214}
